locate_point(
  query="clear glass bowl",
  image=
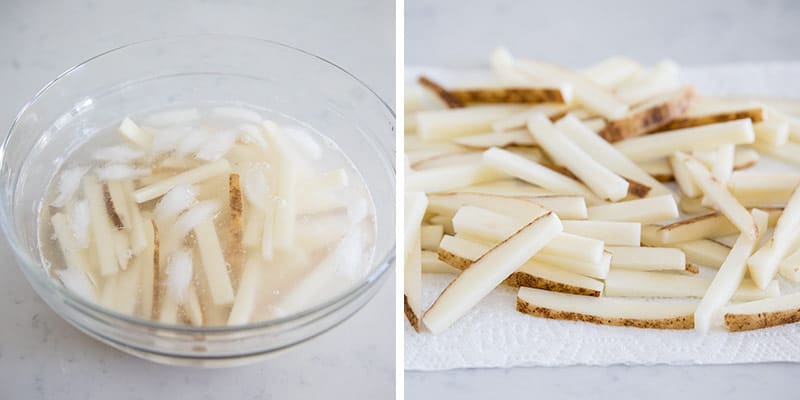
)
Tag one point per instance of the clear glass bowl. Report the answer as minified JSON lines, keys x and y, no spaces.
{"x":167,"y":72}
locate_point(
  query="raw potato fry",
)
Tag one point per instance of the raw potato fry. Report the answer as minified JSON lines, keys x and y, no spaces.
{"x":449,"y":178}
{"x":513,"y":95}
{"x":74,"y":256}
{"x":214,"y":266}
{"x":694,"y":205}
{"x":496,"y":139}
{"x":647,"y":258}
{"x":659,"y":79}
{"x":763,"y":264}
{"x":443,"y":94}
{"x":127,"y":289}
{"x":592,"y":269}
{"x":763,"y":188}
{"x":684,"y":178}
{"x":133,"y":134}
{"x":431,"y":264}
{"x":488,"y":271}
{"x":606,"y":310}
{"x":444,"y":221}
{"x":722,"y":168}
{"x":659,"y":169}
{"x":517,"y":207}
{"x":607,"y":154}
{"x":755,"y":114}
{"x":415,"y":206}
{"x":623,"y":283}
{"x":100,"y":227}
{"x":563,"y":151}
{"x":764,"y":313}
{"x":649,"y":116}
{"x":719,"y":195}
{"x":150,"y":272}
{"x":488,"y":225}
{"x":189,"y":177}
{"x":446,"y":160}
{"x":729,"y":276}
{"x":328,"y":181}
{"x":438,"y":125}
{"x":519,"y":120}
{"x":254,"y":228}
{"x":648,"y":210}
{"x":789,"y":151}
{"x":612,"y":71}
{"x":707,"y":225}
{"x":138,"y":225}
{"x":192,"y":308}
{"x":705,"y":137}
{"x":509,"y":187}
{"x":566,"y":207}
{"x":460,"y":253}
{"x":430,"y":236}
{"x":772,"y":132}
{"x":519,"y":167}
{"x":611,"y":233}
{"x":243,"y":305}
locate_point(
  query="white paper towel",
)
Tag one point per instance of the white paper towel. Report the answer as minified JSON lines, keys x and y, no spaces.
{"x":494,"y":334}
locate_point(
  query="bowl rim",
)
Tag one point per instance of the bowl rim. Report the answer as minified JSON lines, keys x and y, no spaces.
{"x":381,"y":266}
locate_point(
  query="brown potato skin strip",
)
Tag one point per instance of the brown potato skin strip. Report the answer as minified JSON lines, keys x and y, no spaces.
{"x":755,"y":114}
{"x":439,"y":90}
{"x":749,"y":322}
{"x":681,"y":322}
{"x":649,"y":119}
{"x":110,"y":210}
{"x":637,"y":189}
{"x":237,"y":224}
{"x":412,"y":318}
{"x":156,"y":279}
{"x":508,"y":95}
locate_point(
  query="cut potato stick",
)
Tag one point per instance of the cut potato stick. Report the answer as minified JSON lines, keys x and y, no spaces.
{"x":508,"y":187}
{"x":461,"y":253}
{"x":449,"y":178}
{"x":74,"y":255}
{"x":606,"y":310}
{"x":647,"y":258}
{"x":788,"y":152}
{"x":328,"y":181}
{"x":659,"y":169}
{"x":764,"y":313}
{"x":149,"y":270}
{"x":430,"y":236}
{"x":624,"y":283}
{"x":570,"y":207}
{"x":189,"y":177}
{"x":586,"y":92}
{"x":649,"y":116}
{"x":214,"y":266}
{"x":254,"y":228}
{"x":772,"y":132}
{"x":438,"y":125}
{"x":496,"y":139}
{"x":513,"y":95}
{"x":243,"y":305}
{"x":766,"y":187}
{"x":763,"y":264}
{"x":488,"y":271}
{"x":431,"y":264}
{"x":494,"y":227}
{"x":412,"y":281}
{"x":607,"y":154}
{"x":720,"y":197}
{"x":563,"y":151}
{"x":659,"y":79}
{"x":708,"y":225}
{"x":519,"y":120}
{"x":100,"y":227}
{"x":443,"y":94}
{"x":648,"y":210}
{"x":705,"y":252}
{"x":683,"y":178}
{"x":127,"y":289}
{"x":591,"y":269}
{"x":722,"y":168}
{"x":268,"y":232}
{"x":705,"y":137}
{"x":730,"y":275}
{"x":694,"y":205}
{"x":415,"y":206}
{"x":520,"y":208}
{"x":611,"y":233}
{"x":135,"y":135}
{"x":138,"y":225}
{"x":191,"y":307}
{"x":519,"y":167}
{"x":446,"y":160}
{"x":755,"y":114}
{"x":612,"y":71}
{"x":445,"y":221}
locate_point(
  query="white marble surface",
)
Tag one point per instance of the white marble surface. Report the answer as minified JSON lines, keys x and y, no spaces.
{"x":460,"y":34}
{"x":41,"y":356}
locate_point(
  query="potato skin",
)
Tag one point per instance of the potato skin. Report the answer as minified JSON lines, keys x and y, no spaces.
{"x":412,"y":318}
{"x":749,"y":322}
{"x":649,"y":119}
{"x":680,"y":322}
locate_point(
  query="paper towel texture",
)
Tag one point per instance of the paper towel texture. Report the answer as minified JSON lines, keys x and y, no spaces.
{"x":494,"y":334}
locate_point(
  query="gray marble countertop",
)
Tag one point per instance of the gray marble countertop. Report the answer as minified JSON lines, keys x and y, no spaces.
{"x":460,"y":34}
{"x":41,"y":356}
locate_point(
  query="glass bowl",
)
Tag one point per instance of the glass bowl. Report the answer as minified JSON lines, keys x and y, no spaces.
{"x":163,"y":73}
